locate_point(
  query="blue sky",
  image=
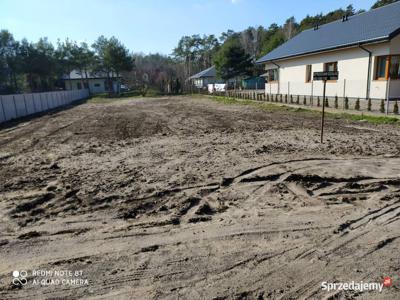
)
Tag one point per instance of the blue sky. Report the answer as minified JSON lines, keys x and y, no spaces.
{"x":151,"y":26}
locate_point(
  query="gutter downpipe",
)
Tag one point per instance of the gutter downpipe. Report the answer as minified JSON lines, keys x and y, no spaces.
{"x":369,"y":70}
{"x":279,"y":77}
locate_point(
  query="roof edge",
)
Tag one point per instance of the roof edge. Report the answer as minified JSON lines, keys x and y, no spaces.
{"x":344,"y":46}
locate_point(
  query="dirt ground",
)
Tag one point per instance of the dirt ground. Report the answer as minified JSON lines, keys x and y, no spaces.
{"x":189,"y":198}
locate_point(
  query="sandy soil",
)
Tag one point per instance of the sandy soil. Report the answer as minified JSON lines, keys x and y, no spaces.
{"x":187,"y":198}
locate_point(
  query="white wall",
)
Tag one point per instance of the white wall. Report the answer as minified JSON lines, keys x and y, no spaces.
{"x":352,"y":67}
{"x":21,"y":105}
{"x":96,"y":86}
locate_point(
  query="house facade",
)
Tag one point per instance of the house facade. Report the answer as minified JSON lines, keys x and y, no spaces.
{"x":96,"y":83}
{"x":202,"y":79}
{"x":364,"y":49}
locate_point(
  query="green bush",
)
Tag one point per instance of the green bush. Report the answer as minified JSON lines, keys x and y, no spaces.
{"x":346,"y":103}
{"x":396,"y":108}
{"x":369,"y":104}
{"x":357,"y":105}
{"x":336,"y":102}
{"x":382,"y":108}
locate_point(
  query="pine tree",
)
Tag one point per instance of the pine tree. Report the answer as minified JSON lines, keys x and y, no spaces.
{"x":357,"y":105}
{"x":346,"y":103}
{"x":396,"y":108}
{"x":382,"y":108}
{"x":369,"y":104}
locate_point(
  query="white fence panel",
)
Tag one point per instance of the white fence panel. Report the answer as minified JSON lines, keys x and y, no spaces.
{"x":9,"y":107}
{"x":2,"y":113}
{"x":30,"y":105}
{"x":20,"y":105}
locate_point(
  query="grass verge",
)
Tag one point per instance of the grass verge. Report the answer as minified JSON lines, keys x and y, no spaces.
{"x":271,"y":107}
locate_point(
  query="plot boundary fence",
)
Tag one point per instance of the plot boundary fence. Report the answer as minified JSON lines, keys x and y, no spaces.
{"x":22,"y":105}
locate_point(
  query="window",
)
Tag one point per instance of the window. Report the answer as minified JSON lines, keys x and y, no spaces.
{"x":308,"y":73}
{"x":330,"y":67}
{"x":394,"y":71}
{"x":272,"y":75}
{"x":380,"y":69}
{"x":387,"y":66}
{"x":97,"y":84}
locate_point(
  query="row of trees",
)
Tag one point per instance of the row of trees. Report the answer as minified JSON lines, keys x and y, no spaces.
{"x":233,"y":53}
{"x":40,"y":66}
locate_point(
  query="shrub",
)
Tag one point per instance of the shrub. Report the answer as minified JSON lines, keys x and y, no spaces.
{"x":336,"y":102}
{"x":346,"y":103}
{"x":281,"y":98}
{"x":291,"y":98}
{"x":369,"y":107}
{"x":382,"y":108}
{"x":305,"y":100}
{"x":326,"y":102}
{"x":318,"y":102}
{"x":396,"y":108}
{"x":357,"y":105}
{"x":286,"y":98}
{"x":298,"y":99}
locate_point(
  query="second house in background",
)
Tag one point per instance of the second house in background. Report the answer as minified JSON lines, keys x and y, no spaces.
{"x":364,"y":48}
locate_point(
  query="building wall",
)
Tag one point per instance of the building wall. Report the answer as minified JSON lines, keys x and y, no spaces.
{"x":353,"y":71}
{"x":96,"y":86}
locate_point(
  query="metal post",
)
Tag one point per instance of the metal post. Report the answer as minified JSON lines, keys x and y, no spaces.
{"x":26,"y":108}
{"x":323,"y":113}
{"x":312,"y":93}
{"x":2,"y":106}
{"x":387,"y":96}
{"x":15,"y":106}
{"x":344,"y":92}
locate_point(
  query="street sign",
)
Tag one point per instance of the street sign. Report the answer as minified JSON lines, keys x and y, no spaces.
{"x":324,"y":76}
{"x":328,"y":75}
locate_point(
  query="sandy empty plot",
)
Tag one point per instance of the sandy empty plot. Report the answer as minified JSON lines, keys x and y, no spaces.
{"x":187,"y":198}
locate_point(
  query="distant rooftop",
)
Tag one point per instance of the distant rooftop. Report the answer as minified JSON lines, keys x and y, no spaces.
{"x":210,"y":72}
{"x":381,"y":24}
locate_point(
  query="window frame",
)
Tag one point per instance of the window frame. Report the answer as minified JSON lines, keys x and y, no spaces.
{"x":277,"y":75}
{"x":335,"y":69}
{"x":387,"y":67}
{"x":390,"y":66}
{"x":308,"y":73}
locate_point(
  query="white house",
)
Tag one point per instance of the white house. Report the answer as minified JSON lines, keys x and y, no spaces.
{"x":364,"y":49}
{"x":203,"y":78}
{"x":96,"y":82}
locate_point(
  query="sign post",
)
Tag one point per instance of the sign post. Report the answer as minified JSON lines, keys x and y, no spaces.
{"x":324,"y":76}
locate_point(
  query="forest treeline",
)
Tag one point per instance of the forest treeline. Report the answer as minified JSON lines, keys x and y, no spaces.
{"x":41,"y":66}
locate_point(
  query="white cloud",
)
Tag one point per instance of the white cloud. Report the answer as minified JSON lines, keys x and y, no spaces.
{"x":235,"y":1}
